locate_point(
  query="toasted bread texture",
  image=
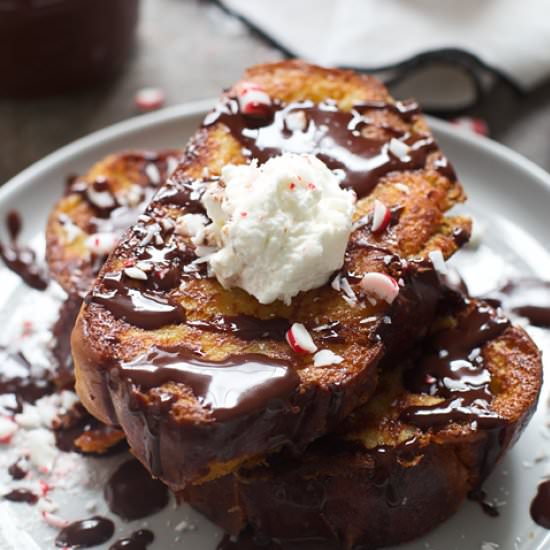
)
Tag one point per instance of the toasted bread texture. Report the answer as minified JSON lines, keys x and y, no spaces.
{"x":167,"y":358}
{"x":129,"y":178}
{"x":383,"y":479}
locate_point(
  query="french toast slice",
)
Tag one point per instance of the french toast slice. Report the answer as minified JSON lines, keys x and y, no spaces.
{"x":84,"y":226}
{"x":199,"y":377}
{"x":404,"y":462}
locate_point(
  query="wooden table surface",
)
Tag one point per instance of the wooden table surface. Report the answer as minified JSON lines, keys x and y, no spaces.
{"x":191,"y":50}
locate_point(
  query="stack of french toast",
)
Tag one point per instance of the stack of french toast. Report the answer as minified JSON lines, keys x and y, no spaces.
{"x":420,"y":389}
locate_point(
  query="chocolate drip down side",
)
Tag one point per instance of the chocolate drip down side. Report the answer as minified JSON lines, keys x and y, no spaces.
{"x":454,"y":369}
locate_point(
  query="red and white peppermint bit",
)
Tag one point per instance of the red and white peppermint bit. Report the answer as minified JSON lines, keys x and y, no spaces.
{"x":300,"y":340}
{"x":326,"y":357}
{"x":380,"y":286}
{"x":135,"y":273}
{"x":101,"y":243}
{"x":149,"y":99}
{"x":438,"y":261}
{"x":7,"y":430}
{"x":475,"y":125}
{"x":381,"y":216}
{"x":253,"y":100}
{"x":54,"y":521}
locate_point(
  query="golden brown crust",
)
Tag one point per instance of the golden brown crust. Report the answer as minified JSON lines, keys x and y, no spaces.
{"x":345,"y":489}
{"x":100,"y":340}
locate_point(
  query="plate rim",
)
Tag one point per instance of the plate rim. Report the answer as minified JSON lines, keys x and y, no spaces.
{"x":202,"y":106}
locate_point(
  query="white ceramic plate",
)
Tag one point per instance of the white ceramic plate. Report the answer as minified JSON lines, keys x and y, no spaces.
{"x":509,"y":197}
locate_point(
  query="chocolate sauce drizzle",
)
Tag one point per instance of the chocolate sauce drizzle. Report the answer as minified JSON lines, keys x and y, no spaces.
{"x":128,"y":300}
{"x":527,"y":297}
{"x":85,"y":533}
{"x":540,"y":506}
{"x":132,"y":493}
{"x":454,"y":369}
{"x":139,"y":540}
{"x":338,"y":138}
{"x":245,"y":327}
{"x":234,"y":387}
{"x":21,"y":259}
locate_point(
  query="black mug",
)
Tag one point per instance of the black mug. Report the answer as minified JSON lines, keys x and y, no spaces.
{"x":55,"y":46}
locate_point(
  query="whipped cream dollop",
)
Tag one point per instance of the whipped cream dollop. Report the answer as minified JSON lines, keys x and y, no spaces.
{"x":278,"y":229}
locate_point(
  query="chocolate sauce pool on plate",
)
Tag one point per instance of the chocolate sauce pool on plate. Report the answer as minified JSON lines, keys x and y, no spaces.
{"x":21,"y":495}
{"x":132,"y":493}
{"x":540,"y":507}
{"x":528,"y":297}
{"x":21,"y":259}
{"x":139,"y":540}
{"x":85,"y":533}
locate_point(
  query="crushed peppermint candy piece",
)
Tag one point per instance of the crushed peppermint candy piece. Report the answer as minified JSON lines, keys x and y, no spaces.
{"x":149,"y":99}
{"x":152,"y":173}
{"x":253,"y":100}
{"x":381,"y":217}
{"x":438,"y":261}
{"x":167,"y":224}
{"x":135,"y":273}
{"x":7,"y":429}
{"x":54,"y":521}
{"x":101,"y":243}
{"x":296,"y":121}
{"x":475,"y":125}
{"x":101,"y":199}
{"x":399,"y":149}
{"x":300,"y":340}
{"x":192,"y":225}
{"x":380,"y":285}
{"x":326,"y":357}
{"x":347,"y":290}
